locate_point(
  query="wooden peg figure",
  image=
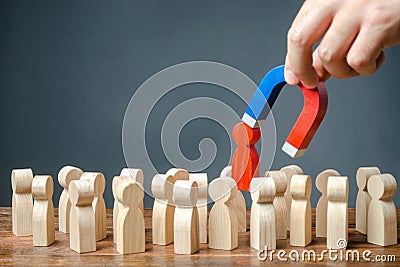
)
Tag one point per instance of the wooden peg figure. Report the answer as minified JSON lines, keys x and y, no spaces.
{"x":202,"y":182}
{"x":289,"y":172}
{"x":337,"y":219}
{"x":223,"y":225}
{"x":43,"y":211}
{"x":245,"y":159}
{"x":322,"y":206}
{"x":262,"y":217}
{"x":238,"y":203}
{"x":363,"y":197}
{"x":99,"y":206}
{"x":22,"y":204}
{"x":279,"y":178}
{"x":300,"y":217}
{"x":65,"y":176}
{"x":163,"y":210}
{"x":186,"y":218}
{"x":130,"y":230}
{"x":137,"y":176}
{"x":382,"y":218}
{"x":82,"y":235}
{"x":117,"y":180}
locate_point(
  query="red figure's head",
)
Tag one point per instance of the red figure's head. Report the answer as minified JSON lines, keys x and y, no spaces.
{"x":245,"y":135}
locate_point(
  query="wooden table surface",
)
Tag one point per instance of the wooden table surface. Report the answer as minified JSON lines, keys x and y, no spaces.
{"x":19,"y":250}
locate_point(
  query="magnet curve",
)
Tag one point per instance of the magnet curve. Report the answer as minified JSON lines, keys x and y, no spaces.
{"x":314,"y":110}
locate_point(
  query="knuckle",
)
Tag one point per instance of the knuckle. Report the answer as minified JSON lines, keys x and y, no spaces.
{"x":361,"y":64}
{"x":325,"y":54}
{"x":297,"y":37}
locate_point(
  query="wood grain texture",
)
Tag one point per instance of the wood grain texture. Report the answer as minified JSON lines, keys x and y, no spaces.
{"x":262,"y":217}
{"x":163,"y":210}
{"x":19,"y":250}
{"x":22,"y":202}
{"x":363,"y":197}
{"x":223,"y":226}
{"x":137,"y":176}
{"x":289,"y":172}
{"x":279,"y":178}
{"x":43,"y":211}
{"x":382,"y":220}
{"x":99,"y":207}
{"x":238,"y":203}
{"x":300,"y":225}
{"x":202,"y":182}
{"x":82,"y":220}
{"x":186,"y":217}
{"x":65,"y":176}
{"x":337,"y":215}
{"x":130,"y":221}
{"x":322,"y":206}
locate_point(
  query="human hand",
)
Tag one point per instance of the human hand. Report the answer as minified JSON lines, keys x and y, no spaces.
{"x":354,"y":34}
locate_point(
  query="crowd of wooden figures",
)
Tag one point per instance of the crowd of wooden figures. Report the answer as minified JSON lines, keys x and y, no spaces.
{"x":280,"y":203}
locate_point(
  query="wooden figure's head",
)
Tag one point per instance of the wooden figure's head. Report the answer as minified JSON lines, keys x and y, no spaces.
{"x":81,"y":193}
{"x":262,"y":190}
{"x":162,"y":187}
{"x":222,"y":189}
{"x":382,"y":186}
{"x":42,"y":187}
{"x":98,"y":181}
{"x":185,"y":193}
{"x":300,"y":187}
{"x":21,"y":181}
{"x":68,"y":174}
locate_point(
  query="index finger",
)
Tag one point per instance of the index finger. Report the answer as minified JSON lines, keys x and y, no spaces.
{"x":311,"y":23}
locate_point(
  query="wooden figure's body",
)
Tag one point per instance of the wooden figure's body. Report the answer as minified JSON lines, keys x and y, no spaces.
{"x":321,"y":212}
{"x":279,"y":178}
{"x":117,"y":180}
{"x":363,"y":197}
{"x":82,"y":235}
{"x":135,"y":175}
{"x":300,"y":217}
{"x":164,"y":208}
{"x":22,"y":203}
{"x":223,"y":226}
{"x":238,"y":203}
{"x":65,"y":176}
{"x":202,"y":182}
{"x":382,"y":218}
{"x":43,"y":211}
{"x":245,"y":159}
{"x":262,"y":218}
{"x":186,"y":218}
{"x":337,"y":215}
{"x":130,"y":230}
{"x":99,"y":206}
{"x":289,"y":172}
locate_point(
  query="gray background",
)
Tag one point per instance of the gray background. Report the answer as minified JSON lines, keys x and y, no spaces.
{"x":69,"y":68}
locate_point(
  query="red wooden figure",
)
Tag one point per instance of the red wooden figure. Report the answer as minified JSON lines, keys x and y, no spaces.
{"x":245,"y":159}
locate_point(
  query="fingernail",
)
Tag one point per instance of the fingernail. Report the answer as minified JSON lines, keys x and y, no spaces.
{"x":291,"y":78}
{"x":309,"y":86}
